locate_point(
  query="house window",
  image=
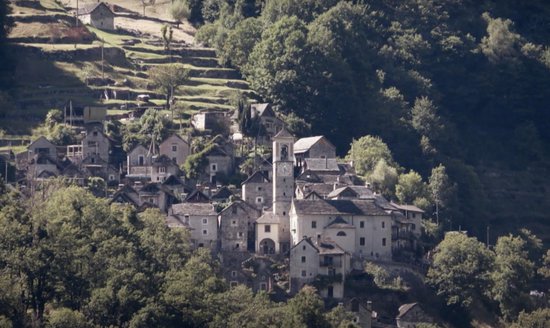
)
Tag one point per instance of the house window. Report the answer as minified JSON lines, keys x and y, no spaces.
{"x":303,"y":259}
{"x":263,"y":286}
{"x":213,"y":167}
{"x":240,"y":234}
{"x":174,"y":148}
{"x":92,"y":160}
{"x":233,"y":273}
{"x":162,"y":169}
{"x":361,"y":224}
{"x":205,"y":221}
{"x":234,"y":210}
{"x":140,"y":160}
{"x":413,"y":226}
{"x":414,"y":215}
{"x":313,"y":224}
{"x":233,"y":284}
{"x":304,"y":247}
{"x":111,"y":177}
{"x":341,"y":233}
{"x":304,"y":273}
{"x":362,"y":241}
{"x":174,"y":159}
{"x":233,"y":223}
{"x":205,"y":232}
{"x":383,"y":224}
{"x":267,"y":228}
{"x":95,"y":133}
{"x":383,"y":241}
{"x":258,"y":188}
{"x":259,"y":200}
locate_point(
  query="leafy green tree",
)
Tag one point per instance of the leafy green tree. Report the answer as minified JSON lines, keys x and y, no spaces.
{"x":306,"y":310}
{"x":512,"y":274}
{"x":296,"y":125}
{"x":256,"y":312}
{"x":278,"y":64}
{"x":167,"y":78}
{"x":442,"y":190}
{"x":424,"y":118}
{"x":544,"y":270}
{"x":338,"y":317}
{"x":461,"y":269}
{"x":366,"y":152}
{"x":500,"y":44}
{"x":151,"y":126}
{"x":240,"y":42}
{"x":67,"y":318}
{"x":179,"y":11}
{"x":305,"y":10}
{"x":384,"y":178}
{"x":410,"y":188}
{"x":536,"y":319}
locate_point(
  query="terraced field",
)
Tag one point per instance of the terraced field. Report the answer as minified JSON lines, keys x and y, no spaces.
{"x":55,"y":66}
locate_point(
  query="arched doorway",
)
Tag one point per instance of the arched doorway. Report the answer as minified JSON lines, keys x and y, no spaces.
{"x":267,"y":246}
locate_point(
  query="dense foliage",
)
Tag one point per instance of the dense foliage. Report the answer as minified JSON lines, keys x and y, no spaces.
{"x":69,"y":259}
{"x":440,"y":81}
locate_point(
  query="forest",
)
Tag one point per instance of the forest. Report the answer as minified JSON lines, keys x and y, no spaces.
{"x":454,"y":82}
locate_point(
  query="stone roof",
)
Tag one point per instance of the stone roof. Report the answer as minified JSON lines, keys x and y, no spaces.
{"x":197,"y":196}
{"x":88,"y":9}
{"x":257,"y":177}
{"x":361,"y":192}
{"x":283,"y":133}
{"x":407,"y":208}
{"x":268,"y":218}
{"x":261,"y":110}
{"x":405,"y":308}
{"x":162,"y":160}
{"x":304,"y":144}
{"x":322,"y":189}
{"x":322,"y":164}
{"x":223,"y":193}
{"x":340,"y":223}
{"x":173,"y":221}
{"x":306,"y":240}
{"x":193,"y":209}
{"x":365,"y":207}
{"x":328,"y":247}
{"x":309,"y":176}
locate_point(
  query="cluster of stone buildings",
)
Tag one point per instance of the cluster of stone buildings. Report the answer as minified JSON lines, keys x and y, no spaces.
{"x":303,"y":208}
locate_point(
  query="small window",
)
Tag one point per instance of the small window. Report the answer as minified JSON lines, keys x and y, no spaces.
{"x":233,"y":273}
{"x":258,"y":188}
{"x":201,"y":245}
{"x":259,"y":200}
{"x":383,"y":241}
{"x":313,"y":224}
{"x":234,"y":210}
{"x":140,"y":160}
{"x":213,"y":167}
{"x":383,"y":224}
{"x":186,"y":218}
{"x":95,"y":133}
{"x":413,"y":226}
{"x":205,"y":221}
{"x":111,"y":177}
{"x":263,"y":286}
{"x":303,"y":259}
{"x":304,"y":273}
{"x":267,"y":228}
{"x":284,"y":213}
{"x":362,"y":241}
{"x":414,"y":215}
{"x":361,"y":224}
{"x":304,"y":247}
{"x":205,"y":232}
{"x":174,"y":148}
{"x":174,"y":159}
{"x":233,"y":223}
{"x":162,"y":169}
{"x":341,"y":233}
{"x":240,"y":234}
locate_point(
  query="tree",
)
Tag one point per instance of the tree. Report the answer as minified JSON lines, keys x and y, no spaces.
{"x":424,"y":118}
{"x":384,"y":178}
{"x":306,"y":310}
{"x":410,"y":188}
{"x":240,"y":42}
{"x":278,"y":65}
{"x":167,"y":34}
{"x":544,"y":270}
{"x":442,"y":190}
{"x":167,"y":78}
{"x":512,"y":273}
{"x":460,"y":270}
{"x":179,"y":11}
{"x":536,"y":319}
{"x":366,"y":152}
{"x":500,"y":44}
{"x":67,"y":318}
{"x":296,"y":125}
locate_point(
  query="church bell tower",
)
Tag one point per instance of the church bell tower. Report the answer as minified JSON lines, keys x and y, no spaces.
{"x":283,"y":173}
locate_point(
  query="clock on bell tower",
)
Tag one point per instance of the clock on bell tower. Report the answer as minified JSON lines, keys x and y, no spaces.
{"x":283,"y":172}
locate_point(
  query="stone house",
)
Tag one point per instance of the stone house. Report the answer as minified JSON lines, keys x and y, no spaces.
{"x":257,"y":190}
{"x":177,"y":187}
{"x":41,"y":146}
{"x":175,"y":148}
{"x":138,"y":162}
{"x":156,"y":195}
{"x":359,"y":226}
{"x":313,"y":147}
{"x":98,"y":15}
{"x":219,"y":163}
{"x":269,"y":234}
{"x":126,"y":195}
{"x":268,"y":120}
{"x":202,"y":221}
{"x":236,"y":226}
{"x":209,"y":120}
{"x":162,"y":167}
{"x":324,"y":264}
{"x":96,"y":143}
{"x":362,"y":313}
{"x":410,"y":315}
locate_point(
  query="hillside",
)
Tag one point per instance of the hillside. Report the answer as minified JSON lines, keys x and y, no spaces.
{"x":57,"y":61}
